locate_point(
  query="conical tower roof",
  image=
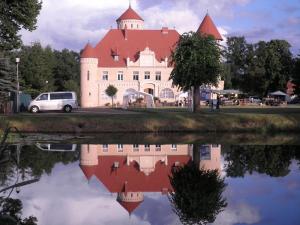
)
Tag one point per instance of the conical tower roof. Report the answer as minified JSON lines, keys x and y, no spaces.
{"x":88,"y":52}
{"x":130,"y":14}
{"x":129,"y":206}
{"x":207,"y":27}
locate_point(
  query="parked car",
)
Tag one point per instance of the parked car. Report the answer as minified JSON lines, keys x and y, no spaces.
{"x":65,"y":101}
{"x":56,"y":147}
{"x":254,"y":99}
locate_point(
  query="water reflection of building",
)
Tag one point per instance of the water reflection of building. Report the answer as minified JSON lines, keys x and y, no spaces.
{"x":131,"y":170}
{"x":210,"y":157}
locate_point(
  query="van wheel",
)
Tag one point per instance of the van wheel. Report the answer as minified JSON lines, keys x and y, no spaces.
{"x":34,"y":109}
{"x":67,"y":108}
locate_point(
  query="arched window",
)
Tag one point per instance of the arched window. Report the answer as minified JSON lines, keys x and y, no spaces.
{"x":166,"y":93}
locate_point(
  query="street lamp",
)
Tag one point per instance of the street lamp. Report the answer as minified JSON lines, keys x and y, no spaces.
{"x":18,"y":85}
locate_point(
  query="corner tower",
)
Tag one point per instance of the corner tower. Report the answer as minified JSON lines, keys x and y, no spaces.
{"x":130,"y":20}
{"x":207,"y":27}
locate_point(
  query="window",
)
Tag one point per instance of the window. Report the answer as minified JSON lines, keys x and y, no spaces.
{"x":135,"y":75}
{"x":131,"y":26}
{"x":147,"y":75}
{"x":120,"y":75}
{"x":135,"y":147}
{"x":116,"y":58}
{"x":158,"y":148}
{"x":56,"y":96}
{"x":105,"y":147}
{"x":105,"y":75}
{"x":205,"y":153}
{"x":88,"y":75}
{"x":147,"y":148}
{"x":174,"y":147}
{"x":157,"y":75}
{"x":120,"y":147}
{"x":166,"y":93}
{"x":43,"y":97}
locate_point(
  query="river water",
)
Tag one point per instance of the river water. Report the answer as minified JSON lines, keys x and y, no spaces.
{"x":138,"y":183}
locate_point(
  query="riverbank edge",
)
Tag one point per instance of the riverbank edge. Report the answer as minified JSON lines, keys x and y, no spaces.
{"x":153,"y":123}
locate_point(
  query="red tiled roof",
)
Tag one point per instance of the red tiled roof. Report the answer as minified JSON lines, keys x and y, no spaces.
{"x":130,"y":14}
{"x":208,"y":27}
{"x":162,"y":43}
{"x":129,"y":206}
{"x":88,"y":52}
{"x":88,"y":171}
{"x":135,"y":180}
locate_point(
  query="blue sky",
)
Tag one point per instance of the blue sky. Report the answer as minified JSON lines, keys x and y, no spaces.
{"x":72,"y":23}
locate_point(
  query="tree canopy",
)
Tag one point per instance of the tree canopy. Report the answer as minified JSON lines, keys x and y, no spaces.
{"x":271,"y":160}
{"x":111,"y":91}
{"x":196,"y":62}
{"x":258,"y":68}
{"x":296,"y":75}
{"x":197,"y":196}
{"x":16,"y":15}
{"x":44,"y":69}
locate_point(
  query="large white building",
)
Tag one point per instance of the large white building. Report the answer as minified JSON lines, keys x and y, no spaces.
{"x":132,"y":59}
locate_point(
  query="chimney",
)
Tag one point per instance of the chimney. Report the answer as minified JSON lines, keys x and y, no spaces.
{"x":164,"y":30}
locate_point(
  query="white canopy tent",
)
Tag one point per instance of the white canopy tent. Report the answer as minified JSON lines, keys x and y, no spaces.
{"x":131,"y":94}
{"x":280,"y":95}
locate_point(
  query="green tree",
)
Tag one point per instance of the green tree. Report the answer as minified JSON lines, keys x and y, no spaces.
{"x":196,"y":62}
{"x":11,"y":212}
{"x":67,"y":70}
{"x":36,"y":69}
{"x":197,"y":196}
{"x":111,"y":91}
{"x":259,"y":68}
{"x":271,"y":160}
{"x":296,"y":75}
{"x":6,"y":77}
{"x":16,"y":15}
{"x":236,"y":56}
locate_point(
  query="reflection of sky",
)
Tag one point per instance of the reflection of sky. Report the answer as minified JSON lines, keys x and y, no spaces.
{"x":65,"y":197}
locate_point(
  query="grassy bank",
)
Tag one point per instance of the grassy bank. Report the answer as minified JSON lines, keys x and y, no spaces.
{"x":230,"y":120}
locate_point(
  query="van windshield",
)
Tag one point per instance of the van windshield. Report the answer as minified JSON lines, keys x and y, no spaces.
{"x":54,"y":96}
{"x":42,"y":97}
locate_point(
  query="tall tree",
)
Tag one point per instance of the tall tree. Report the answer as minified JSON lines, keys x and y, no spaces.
{"x":6,"y":77}
{"x":197,"y":196}
{"x":16,"y":15}
{"x":296,"y":75}
{"x":196,"y":62}
{"x":259,"y":68}
{"x":36,"y":68}
{"x":67,"y":70}
{"x":236,"y":57}
{"x":111,"y":91}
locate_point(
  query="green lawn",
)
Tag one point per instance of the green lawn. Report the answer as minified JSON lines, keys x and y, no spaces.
{"x":228,"y":119}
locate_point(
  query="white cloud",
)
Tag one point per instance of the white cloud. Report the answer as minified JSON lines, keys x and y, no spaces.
{"x":240,"y":214}
{"x":65,"y":197}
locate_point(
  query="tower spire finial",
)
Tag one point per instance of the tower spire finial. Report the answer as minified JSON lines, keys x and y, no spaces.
{"x":207,"y":11}
{"x":129,"y":3}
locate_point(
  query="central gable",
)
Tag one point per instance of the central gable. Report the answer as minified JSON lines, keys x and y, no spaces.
{"x":134,"y":45}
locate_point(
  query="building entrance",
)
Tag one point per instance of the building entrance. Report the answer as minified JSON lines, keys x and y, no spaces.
{"x":149,"y":91}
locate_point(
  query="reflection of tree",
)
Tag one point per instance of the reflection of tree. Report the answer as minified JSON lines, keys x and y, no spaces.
{"x":11,"y":212}
{"x":271,"y":160}
{"x":197,"y":196}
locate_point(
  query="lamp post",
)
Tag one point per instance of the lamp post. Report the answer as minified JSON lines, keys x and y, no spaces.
{"x":18,"y":85}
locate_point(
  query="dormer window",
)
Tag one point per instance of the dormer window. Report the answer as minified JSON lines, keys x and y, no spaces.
{"x":116,"y":58}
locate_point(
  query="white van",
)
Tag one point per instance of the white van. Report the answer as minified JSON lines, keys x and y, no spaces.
{"x":65,"y":101}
